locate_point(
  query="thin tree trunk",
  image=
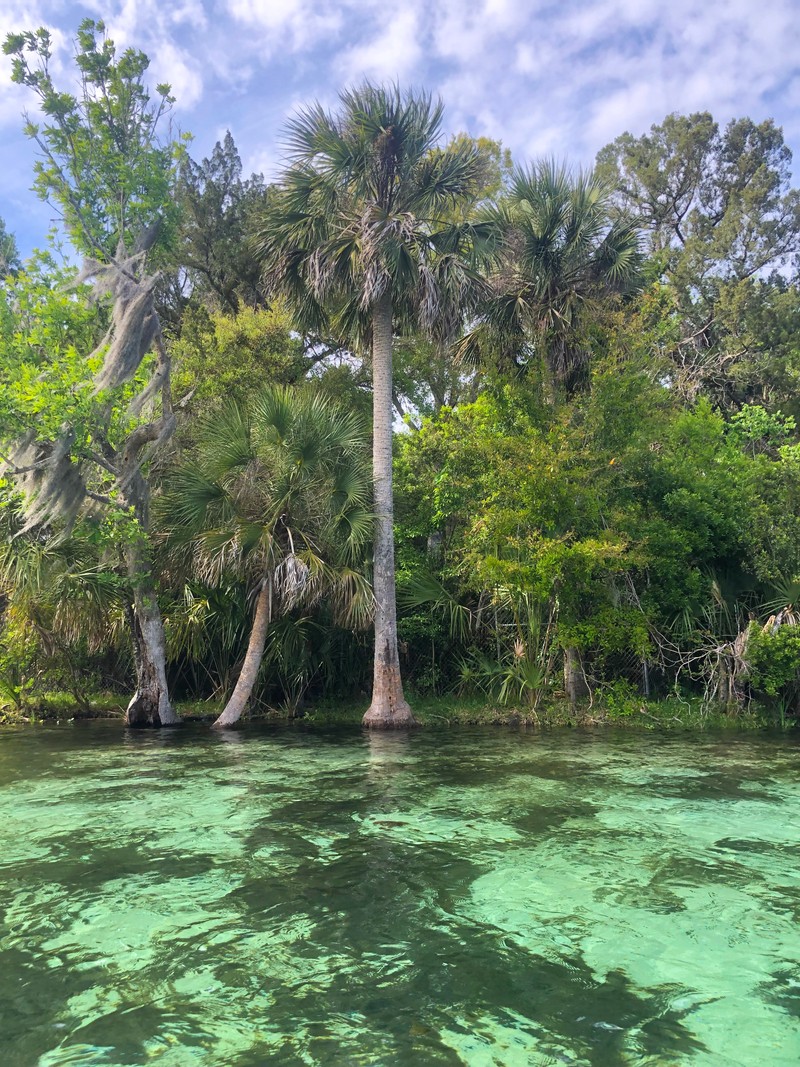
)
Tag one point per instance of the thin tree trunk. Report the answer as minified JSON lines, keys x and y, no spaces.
{"x":574,"y":677}
{"x":252,"y":660}
{"x":388,"y":708}
{"x":150,"y":704}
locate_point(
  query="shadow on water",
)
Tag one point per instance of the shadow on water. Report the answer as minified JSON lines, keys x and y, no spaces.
{"x":308,"y":897}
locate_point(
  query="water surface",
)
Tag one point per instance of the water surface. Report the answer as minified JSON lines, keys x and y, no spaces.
{"x":469,"y":897}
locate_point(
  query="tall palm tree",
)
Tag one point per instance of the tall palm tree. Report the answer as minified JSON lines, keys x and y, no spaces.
{"x":357,"y":240}
{"x":558,"y":253}
{"x":279,"y":494}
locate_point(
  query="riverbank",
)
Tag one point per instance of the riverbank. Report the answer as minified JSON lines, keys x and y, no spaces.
{"x":671,"y":713}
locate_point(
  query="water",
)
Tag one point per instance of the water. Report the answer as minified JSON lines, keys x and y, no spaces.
{"x":473,"y":897}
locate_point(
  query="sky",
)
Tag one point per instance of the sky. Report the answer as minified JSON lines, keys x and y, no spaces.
{"x":547,"y":78}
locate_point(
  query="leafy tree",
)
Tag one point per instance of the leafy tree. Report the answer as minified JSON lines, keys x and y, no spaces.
{"x":102,"y":163}
{"x":103,"y":167}
{"x":772,"y":522}
{"x":721,"y":218}
{"x":221,"y":357}
{"x":217,"y":211}
{"x":355,"y":240}
{"x":649,"y":531}
{"x":9,"y":256}
{"x":717,"y":203}
{"x":278,"y":494}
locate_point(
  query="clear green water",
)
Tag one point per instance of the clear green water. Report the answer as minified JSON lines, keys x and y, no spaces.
{"x":472,"y":897}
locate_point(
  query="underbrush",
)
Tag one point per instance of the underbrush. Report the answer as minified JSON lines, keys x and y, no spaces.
{"x":617,"y":705}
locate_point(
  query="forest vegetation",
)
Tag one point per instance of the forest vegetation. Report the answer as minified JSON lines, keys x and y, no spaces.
{"x":419,"y":426}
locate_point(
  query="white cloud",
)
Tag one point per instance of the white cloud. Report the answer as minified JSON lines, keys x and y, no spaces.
{"x":286,"y":25}
{"x":172,"y":65}
{"x":394,"y":52}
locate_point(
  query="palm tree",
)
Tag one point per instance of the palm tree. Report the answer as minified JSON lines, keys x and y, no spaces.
{"x":357,"y":240}
{"x":558,"y":253}
{"x":278,"y":494}
{"x":58,"y":594}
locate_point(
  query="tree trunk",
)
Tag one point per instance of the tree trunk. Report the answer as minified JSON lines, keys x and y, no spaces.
{"x":574,"y":677}
{"x":252,"y":660}
{"x":388,"y":708}
{"x":150,"y":704}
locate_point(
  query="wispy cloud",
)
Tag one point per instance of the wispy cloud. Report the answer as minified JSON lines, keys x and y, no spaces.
{"x":393,"y":52}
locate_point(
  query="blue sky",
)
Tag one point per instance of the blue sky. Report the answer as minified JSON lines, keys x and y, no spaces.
{"x":548,"y":78}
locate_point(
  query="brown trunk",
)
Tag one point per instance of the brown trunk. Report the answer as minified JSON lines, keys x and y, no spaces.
{"x":150,"y":704}
{"x":388,"y":708}
{"x":252,"y":660}
{"x":574,"y":678}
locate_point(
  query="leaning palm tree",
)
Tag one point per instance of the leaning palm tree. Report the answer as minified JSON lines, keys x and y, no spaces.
{"x":356,"y":240}
{"x":279,"y":495}
{"x":559,"y":253}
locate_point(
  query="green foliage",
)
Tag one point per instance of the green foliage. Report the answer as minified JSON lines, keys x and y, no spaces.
{"x":514,"y":681}
{"x":773,"y":658}
{"x":218,"y":209}
{"x":619,"y":699}
{"x":758,"y":430}
{"x":61,"y":601}
{"x":772,"y":519}
{"x":9,"y":256}
{"x":47,"y":380}
{"x":716,"y":201}
{"x":46,"y":330}
{"x":221,"y":357}
{"x":719,"y":215}
{"x":101,"y":163}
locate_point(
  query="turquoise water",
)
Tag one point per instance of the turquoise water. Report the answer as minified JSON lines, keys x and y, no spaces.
{"x":469,"y":897}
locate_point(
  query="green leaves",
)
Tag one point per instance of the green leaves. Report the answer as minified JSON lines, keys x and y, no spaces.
{"x":556,"y":256}
{"x":101,"y":162}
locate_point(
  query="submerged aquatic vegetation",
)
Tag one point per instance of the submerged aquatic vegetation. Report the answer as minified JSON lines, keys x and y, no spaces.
{"x":440,"y":898}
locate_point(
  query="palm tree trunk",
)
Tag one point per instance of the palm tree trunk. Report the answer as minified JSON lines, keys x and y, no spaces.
{"x":150,"y":704}
{"x":388,"y":708}
{"x":252,"y":660}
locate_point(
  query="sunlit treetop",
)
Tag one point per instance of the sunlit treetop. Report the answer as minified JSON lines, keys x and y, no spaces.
{"x":102,"y":162}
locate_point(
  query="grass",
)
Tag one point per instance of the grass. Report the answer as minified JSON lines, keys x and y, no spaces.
{"x":669,"y":713}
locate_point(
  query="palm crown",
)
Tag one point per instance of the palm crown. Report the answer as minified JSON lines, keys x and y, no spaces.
{"x":557,"y":251}
{"x":280,"y":488}
{"x":361,"y":213}
{"x":279,"y":495}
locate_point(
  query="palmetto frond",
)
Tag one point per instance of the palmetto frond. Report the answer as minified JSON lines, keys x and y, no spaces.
{"x":423,"y":589}
{"x":556,"y":250}
{"x":282,"y":488}
{"x":63,"y":583}
{"x":359,"y":214}
{"x":783,"y":596}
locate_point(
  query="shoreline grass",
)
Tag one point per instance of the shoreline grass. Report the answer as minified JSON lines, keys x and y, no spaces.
{"x":669,"y":713}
